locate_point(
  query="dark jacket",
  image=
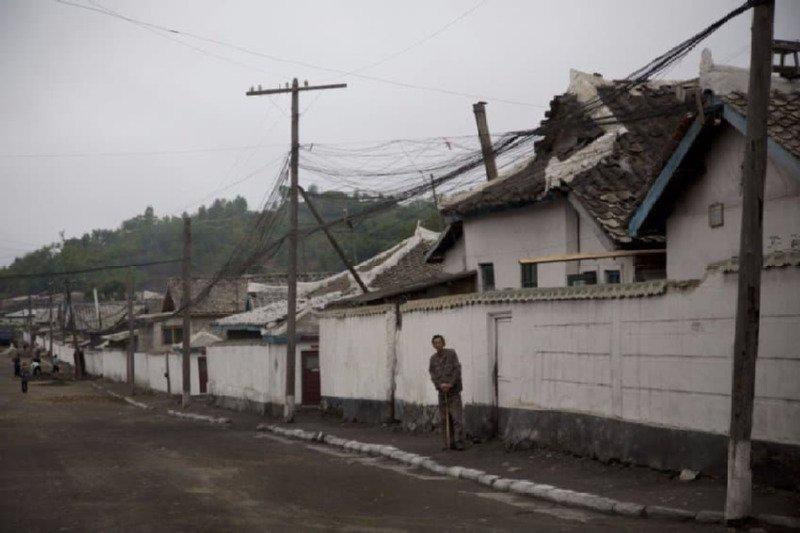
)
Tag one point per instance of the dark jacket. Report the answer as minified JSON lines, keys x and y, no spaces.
{"x":445,"y":368}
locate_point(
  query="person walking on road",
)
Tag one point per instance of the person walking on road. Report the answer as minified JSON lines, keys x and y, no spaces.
{"x":55,"y":362}
{"x":445,"y":371}
{"x":24,"y":376}
{"x":16,"y":360}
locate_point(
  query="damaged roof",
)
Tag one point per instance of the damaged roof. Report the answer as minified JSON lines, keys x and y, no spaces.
{"x":226,"y":297}
{"x":402,"y":264}
{"x":607,"y":157}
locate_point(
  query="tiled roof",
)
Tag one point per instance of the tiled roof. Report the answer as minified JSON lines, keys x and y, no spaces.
{"x":402,"y":264}
{"x":226,"y":297}
{"x":608,"y":158}
{"x":783,"y":123}
{"x":261,"y":294}
{"x":585,"y":292}
{"x":771,"y":260}
{"x":111,"y":314}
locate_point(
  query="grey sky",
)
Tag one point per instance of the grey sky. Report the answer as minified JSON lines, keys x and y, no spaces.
{"x":77,"y":82}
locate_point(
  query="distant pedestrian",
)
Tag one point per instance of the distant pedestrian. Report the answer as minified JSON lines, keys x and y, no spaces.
{"x":56,"y":363}
{"x":445,"y":373}
{"x":16,"y":361}
{"x":24,"y":376}
{"x":36,"y":364}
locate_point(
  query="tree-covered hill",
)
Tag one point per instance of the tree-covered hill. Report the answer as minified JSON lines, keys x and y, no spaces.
{"x":216,"y":230}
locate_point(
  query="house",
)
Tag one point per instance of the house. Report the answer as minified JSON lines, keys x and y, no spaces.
{"x":696,"y":199}
{"x":635,"y":369}
{"x":560,"y":217}
{"x":159,"y":331}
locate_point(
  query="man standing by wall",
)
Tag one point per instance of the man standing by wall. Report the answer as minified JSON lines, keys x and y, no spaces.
{"x":445,"y":373}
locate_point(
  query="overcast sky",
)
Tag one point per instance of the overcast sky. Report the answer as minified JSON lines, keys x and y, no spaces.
{"x":86,"y":99}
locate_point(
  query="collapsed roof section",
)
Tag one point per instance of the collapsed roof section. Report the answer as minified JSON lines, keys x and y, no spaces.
{"x":601,"y":141}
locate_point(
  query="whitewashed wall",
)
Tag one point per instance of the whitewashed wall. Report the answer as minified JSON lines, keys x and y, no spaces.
{"x":663,"y":360}
{"x":148,"y":368}
{"x":252,"y":371}
{"x":692,"y":243}
{"x":356,"y":356}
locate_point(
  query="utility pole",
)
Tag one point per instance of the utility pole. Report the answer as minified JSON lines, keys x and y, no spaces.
{"x":291,"y":314}
{"x":745,"y":345}
{"x":186,"y":304}
{"x":75,"y":355}
{"x":131,"y":347}
{"x":97,"y":309}
{"x":330,"y":237}
{"x":486,"y":141}
{"x":50,"y":314}
{"x":433,"y":190}
{"x":30,"y":322}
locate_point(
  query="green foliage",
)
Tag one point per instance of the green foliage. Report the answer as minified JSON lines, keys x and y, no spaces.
{"x":216,"y":230}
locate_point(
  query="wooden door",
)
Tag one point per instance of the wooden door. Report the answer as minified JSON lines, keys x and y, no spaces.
{"x":311,"y":385}
{"x":202,"y":371}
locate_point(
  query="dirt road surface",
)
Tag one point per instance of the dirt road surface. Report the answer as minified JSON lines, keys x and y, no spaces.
{"x":74,"y":459}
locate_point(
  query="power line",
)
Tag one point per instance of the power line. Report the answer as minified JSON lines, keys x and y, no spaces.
{"x":87,"y":270}
{"x":306,"y":64}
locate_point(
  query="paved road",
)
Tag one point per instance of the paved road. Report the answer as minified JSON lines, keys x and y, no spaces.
{"x":73,"y":459}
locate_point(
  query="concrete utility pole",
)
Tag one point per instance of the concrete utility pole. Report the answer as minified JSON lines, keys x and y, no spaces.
{"x":335,"y":244}
{"x":75,"y":356}
{"x":291,"y":315}
{"x":486,"y":141}
{"x":97,"y":309}
{"x":186,"y":304}
{"x":745,"y":346}
{"x":131,"y":348}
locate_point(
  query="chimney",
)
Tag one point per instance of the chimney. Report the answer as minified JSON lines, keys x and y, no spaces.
{"x":486,"y":142}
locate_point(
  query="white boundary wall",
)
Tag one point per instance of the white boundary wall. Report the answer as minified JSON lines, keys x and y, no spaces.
{"x":149,"y":369}
{"x":253,"y":371}
{"x":357,"y":355}
{"x":661,"y":360}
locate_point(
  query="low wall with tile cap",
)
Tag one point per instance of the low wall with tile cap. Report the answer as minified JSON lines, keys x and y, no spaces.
{"x":357,"y":361}
{"x":251,"y":375}
{"x":645,"y":359}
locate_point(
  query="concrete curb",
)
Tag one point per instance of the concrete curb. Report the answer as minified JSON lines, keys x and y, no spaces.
{"x":140,"y":405}
{"x":118,"y":396}
{"x":200,"y":418}
{"x":591,"y":502}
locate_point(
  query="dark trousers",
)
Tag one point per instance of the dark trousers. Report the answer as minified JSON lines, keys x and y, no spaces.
{"x":16,"y":370}
{"x":456,"y":412}
{"x":25,"y":385}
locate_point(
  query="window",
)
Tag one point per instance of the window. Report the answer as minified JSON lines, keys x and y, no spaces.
{"x":487,"y":276}
{"x":530,"y":275}
{"x":716,"y":215}
{"x":612,"y":276}
{"x":172,"y":335}
{"x":584,"y":278}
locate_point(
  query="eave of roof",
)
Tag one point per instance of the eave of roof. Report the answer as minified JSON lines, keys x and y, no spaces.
{"x":394,"y":291}
{"x":732,"y":116}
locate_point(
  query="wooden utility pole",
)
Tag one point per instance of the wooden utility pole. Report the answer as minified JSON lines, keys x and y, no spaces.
{"x":30,"y":323}
{"x":486,"y":141}
{"x":745,"y":344}
{"x":50,"y":314}
{"x":187,"y":305}
{"x":433,"y":190}
{"x":332,"y":240}
{"x":131,"y":347}
{"x":291,"y":314}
